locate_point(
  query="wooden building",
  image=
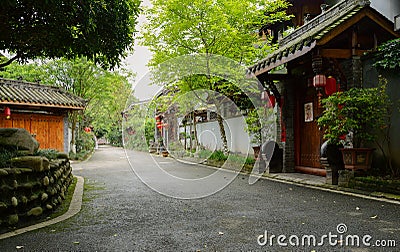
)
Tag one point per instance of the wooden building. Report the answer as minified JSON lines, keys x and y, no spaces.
{"x":331,"y":42}
{"x":40,"y":109}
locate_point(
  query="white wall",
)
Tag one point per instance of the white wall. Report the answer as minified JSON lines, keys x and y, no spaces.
{"x":238,"y":139}
{"x":389,"y":8}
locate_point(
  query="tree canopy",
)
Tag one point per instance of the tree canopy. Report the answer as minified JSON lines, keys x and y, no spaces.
{"x":210,"y":27}
{"x":100,"y":30}
{"x":105,"y":91}
{"x":222,"y":27}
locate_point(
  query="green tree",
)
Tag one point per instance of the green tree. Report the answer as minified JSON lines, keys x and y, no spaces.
{"x":105,"y":92}
{"x":222,"y":27}
{"x":101,"y":30}
{"x":210,"y":27}
{"x":29,"y":72}
{"x":104,"y":110}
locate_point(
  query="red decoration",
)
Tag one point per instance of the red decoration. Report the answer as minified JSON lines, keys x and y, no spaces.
{"x":283,"y":132}
{"x":87,"y":129}
{"x":271,"y":101}
{"x":7,"y":112}
{"x":330,"y":87}
{"x":319,"y":81}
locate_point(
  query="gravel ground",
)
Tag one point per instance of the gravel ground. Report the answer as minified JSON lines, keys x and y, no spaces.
{"x":121,"y":213}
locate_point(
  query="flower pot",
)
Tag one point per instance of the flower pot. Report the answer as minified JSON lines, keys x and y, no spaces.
{"x":256,"y":150}
{"x":164,"y":153}
{"x":152,"y":149}
{"x":357,"y":158}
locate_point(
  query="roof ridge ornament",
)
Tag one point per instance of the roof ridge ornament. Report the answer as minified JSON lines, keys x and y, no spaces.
{"x":364,"y":2}
{"x":340,"y":9}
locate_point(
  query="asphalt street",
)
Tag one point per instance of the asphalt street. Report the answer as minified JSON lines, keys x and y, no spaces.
{"x":121,"y":213}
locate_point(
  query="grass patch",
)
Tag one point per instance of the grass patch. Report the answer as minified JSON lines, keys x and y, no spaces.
{"x":218,"y":158}
{"x":88,"y":187}
{"x":63,"y":208}
{"x":80,"y":156}
{"x":371,"y":183}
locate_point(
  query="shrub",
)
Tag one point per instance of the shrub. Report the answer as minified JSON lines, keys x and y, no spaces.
{"x":389,"y":55}
{"x":6,"y":155}
{"x":48,"y":153}
{"x":85,"y":142}
{"x":362,"y":111}
{"x":114,"y":136}
{"x":218,"y":155}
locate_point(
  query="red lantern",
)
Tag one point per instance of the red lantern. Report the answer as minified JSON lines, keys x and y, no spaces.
{"x":319,"y":81}
{"x":7,"y":112}
{"x":330,"y":87}
{"x":271,"y":101}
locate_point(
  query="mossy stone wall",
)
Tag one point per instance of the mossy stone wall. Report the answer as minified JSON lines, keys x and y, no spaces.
{"x":32,"y":186}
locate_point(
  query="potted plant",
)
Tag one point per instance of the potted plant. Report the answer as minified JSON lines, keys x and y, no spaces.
{"x":260,"y":129}
{"x":353,"y":118}
{"x":254,"y":129}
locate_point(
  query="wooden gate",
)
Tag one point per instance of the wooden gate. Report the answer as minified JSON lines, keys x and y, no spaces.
{"x":47,"y":129}
{"x":307,"y":134}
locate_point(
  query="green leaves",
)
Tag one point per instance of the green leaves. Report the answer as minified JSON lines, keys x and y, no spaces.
{"x":389,"y":54}
{"x":105,"y":92}
{"x":100,"y":30}
{"x":362,"y":111}
{"x":223,"y":27}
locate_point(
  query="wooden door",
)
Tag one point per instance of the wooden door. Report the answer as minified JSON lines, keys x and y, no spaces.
{"x":308,"y":136}
{"x":47,"y":129}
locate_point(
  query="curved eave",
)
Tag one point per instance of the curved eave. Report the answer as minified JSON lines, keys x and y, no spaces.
{"x":26,"y":104}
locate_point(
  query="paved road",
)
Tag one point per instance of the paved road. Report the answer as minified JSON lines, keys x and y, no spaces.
{"x":120,"y":213}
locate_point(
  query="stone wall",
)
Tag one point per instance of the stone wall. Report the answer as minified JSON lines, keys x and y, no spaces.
{"x":31,"y":187}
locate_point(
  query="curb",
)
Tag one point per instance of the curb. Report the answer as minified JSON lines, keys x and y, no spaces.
{"x":343,"y":191}
{"x":74,"y":208}
{"x":327,"y":188}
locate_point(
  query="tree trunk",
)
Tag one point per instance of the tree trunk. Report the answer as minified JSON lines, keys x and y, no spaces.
{"x":190,"y":135}
{"x":194,"y":132}
{"x":223,"y":134}
{"x":73,"y":129}
{"x":185,"y":136}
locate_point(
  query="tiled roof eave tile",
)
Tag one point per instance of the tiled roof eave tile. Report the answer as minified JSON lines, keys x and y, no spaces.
{"x":32,"y":93}
{"x":315,"y":33}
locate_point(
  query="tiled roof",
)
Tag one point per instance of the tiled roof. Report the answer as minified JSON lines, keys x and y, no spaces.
{"x":13,"y":92}
{"x":303,"y":39}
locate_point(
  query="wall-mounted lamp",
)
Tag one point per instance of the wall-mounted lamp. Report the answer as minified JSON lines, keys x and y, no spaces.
{"x":319,"y":82}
